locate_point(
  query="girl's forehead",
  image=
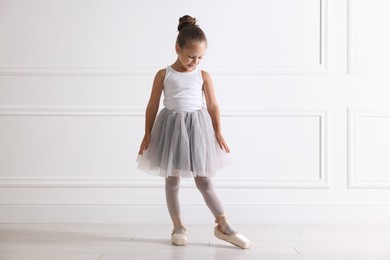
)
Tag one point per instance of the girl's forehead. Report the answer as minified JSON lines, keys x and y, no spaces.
{"x":196,"y":47}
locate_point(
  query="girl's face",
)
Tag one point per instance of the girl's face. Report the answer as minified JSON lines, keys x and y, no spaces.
{"x":190,"y":56}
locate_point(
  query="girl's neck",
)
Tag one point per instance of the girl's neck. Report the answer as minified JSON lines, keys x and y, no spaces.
{"x":177,"y":66}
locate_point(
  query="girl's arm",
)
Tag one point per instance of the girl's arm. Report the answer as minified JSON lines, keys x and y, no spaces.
{"x":152,"y":108}
{"x":213,"y":109}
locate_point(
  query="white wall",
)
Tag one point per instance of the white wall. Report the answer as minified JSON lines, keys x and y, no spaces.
{"x":303,"y":87}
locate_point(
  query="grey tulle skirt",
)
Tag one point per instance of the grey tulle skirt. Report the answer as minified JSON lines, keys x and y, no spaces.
{"x":183,"y":144}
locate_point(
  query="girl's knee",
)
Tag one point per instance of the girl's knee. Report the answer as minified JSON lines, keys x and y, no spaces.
{"x":172,"y":182}
{"x":203,"y":183}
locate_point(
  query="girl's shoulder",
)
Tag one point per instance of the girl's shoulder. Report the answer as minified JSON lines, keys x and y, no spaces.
{"x":205,"y":75}
{"x":161,"y":74}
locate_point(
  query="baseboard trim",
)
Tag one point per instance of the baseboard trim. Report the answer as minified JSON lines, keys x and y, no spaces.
{"x":197,"y":214}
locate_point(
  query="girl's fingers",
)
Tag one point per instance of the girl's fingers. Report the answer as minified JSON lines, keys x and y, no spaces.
{"x":226,"y":148}
{"x":142,"y":148}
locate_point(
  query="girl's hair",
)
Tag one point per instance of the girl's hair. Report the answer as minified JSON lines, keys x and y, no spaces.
{"x":189,"y":31}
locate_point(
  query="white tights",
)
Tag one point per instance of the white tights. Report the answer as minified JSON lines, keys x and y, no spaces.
{"x":206,"y":188}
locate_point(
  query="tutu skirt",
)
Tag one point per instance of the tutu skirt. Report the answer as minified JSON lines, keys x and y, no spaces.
{"x":183,"y":144}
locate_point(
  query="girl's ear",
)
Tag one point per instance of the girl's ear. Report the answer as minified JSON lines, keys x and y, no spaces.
{"x":178,"y":49}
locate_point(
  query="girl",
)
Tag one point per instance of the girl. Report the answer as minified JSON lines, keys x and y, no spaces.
{"x":185,"y":139}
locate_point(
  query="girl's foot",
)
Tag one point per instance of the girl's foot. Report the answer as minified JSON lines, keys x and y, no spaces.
{"x":178,"y":235}
{"x":225,"y":232}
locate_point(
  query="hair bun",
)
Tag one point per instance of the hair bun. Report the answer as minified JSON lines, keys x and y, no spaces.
{"x":186,"y":21}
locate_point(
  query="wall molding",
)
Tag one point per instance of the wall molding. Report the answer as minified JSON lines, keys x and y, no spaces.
{"x":138,"y":72}
{"x":224,"y":183}
{"x":71,"y":110}
{"x":352,"y":69}
{"x":22,"y":182}
{"x":349,"y":38}
{"x":107,"y":71}
{"x":323,"y":48}
{"x":17,"y":110}
{"x":353,"y":180}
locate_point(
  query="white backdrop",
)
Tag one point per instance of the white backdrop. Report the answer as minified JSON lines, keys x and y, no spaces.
{"x":303,"y":87}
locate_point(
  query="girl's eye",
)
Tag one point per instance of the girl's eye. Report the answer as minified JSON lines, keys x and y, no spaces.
{"x":193,"y":57}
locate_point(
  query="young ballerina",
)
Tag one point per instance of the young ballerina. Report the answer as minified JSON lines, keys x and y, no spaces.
{"x":185,"y":139}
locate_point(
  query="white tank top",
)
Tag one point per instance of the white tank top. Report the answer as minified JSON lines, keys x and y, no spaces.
{"x":183,"y":90}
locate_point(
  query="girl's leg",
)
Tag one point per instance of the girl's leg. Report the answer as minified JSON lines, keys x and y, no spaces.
{"x":206,"y":187}
{"x":172,"y":185}
{"x":223,"y":230}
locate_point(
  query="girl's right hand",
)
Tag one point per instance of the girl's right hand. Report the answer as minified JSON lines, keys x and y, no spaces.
{"x":144,"y":144}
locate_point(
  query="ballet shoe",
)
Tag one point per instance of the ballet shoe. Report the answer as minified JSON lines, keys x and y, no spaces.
{"x":178,"y":239}
{"x":235,"y":238}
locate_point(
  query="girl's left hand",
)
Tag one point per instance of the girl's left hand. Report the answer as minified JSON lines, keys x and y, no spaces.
{"x":222,"y":144}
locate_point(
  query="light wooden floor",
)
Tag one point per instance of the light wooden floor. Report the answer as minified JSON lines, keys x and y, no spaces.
{"x":144,"y":242}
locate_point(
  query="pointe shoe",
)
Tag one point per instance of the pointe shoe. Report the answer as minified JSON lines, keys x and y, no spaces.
{"x":235,"y":238}
{"x":178,"y":239}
